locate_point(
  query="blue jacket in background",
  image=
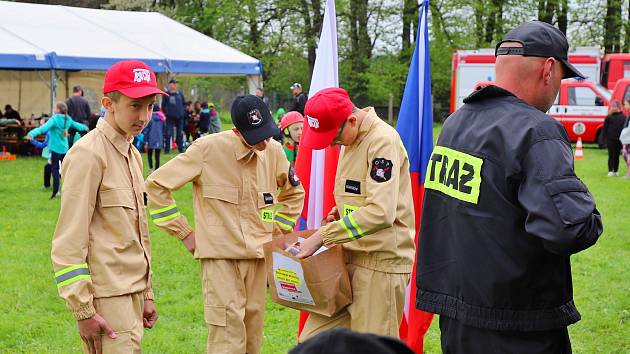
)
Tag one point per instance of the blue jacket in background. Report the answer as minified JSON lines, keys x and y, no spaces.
{"x":57,"y":125}
{"x":43,"y":145}
{"x":154,"y":132}
{"x":174,"y":105}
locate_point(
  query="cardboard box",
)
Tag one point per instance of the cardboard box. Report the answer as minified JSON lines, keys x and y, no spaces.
{"x":319,"y":284}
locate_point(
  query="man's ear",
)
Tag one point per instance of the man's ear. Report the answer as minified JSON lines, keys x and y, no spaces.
{"x":549,"y":66}
{"x":236,"y":131}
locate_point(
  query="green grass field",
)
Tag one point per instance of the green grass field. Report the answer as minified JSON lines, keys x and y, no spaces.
{"x":33,"y":319}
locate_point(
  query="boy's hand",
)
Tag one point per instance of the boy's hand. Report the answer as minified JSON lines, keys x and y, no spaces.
{"x":310,"y":245}
{"x":90,"y":331}
{"x":28,"y":137}
{"x":149,"y":314}
{"x":189,"y":242}
{"x":333,"y":215}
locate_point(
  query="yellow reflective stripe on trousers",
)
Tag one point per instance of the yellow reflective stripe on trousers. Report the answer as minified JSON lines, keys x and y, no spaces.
{"x":284,"y":221}
{"x":165,"y":214}
{"x":72,"y":274}
{"x":352,"y":229}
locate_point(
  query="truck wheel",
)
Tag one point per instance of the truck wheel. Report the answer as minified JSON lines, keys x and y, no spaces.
{"x":601,"y":142}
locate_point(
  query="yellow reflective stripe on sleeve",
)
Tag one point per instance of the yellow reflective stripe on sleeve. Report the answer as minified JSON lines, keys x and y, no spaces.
{"x":267,"y":215}
{"x":72,"y":274}
{"x":455,"y":174}
{"x":165,"y":214}
{"x":284,"y":221}
{"x":352,"y":229}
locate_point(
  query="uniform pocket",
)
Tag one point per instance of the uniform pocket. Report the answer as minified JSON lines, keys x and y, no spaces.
{"x":216,"y":319}
{"x":118,"y":197}
{"x":571,"y":198}
{"x":222,"y":202}
{"x":122,"y":343}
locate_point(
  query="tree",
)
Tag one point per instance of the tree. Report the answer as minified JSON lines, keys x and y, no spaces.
{"x":612,"y":27}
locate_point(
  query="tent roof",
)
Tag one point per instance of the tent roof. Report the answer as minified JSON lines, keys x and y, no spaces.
{"x":37,"y":36}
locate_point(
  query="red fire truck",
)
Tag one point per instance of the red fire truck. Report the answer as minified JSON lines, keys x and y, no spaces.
{"x":581,"y":106}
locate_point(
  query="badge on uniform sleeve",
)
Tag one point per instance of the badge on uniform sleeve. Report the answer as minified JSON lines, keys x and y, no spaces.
{"x":381,"y":170}
{"x":293,"y":178}
{"x":268,"y":198}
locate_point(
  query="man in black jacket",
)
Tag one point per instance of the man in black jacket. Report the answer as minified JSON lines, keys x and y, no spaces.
{"x":79,"y":110}
{"x":504,"y":211}
{"x":299,"y":98}
{"x":174,"y":108}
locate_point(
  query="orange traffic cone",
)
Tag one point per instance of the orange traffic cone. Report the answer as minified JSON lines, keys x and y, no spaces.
{"x":579,"y":152}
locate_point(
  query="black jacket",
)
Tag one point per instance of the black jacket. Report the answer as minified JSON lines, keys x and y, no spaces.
{"x":299,"y":102}
{"x":79,"y":109}
{"x":613,"y":124}
{"x":503,"y":211}
{"x":174,"y":105}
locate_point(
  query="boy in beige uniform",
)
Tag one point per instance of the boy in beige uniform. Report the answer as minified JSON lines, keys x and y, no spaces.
{"x":101,"y":249}
{"x":373,"y":218}
{"x":244,"y":190}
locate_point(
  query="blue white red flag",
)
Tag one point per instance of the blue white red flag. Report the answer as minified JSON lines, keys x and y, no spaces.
{"x":415,"y":126}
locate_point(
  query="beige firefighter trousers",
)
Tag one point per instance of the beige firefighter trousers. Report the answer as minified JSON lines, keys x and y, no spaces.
{"x":377,"y":305}
{"x":234,"y":304}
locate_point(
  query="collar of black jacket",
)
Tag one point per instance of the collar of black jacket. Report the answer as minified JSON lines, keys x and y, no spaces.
{"x":487,"y":92}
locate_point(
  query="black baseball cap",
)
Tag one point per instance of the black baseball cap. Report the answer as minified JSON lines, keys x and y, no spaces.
{"x":253,"y":120}
{"x":539,"y":39}
{"x":345,"y":341}
{"x":173,"y":81}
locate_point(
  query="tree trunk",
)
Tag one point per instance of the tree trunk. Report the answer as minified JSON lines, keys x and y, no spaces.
{"x":407,"y":24}
{"x":478,"y":7}
{"x":612,"y":26}
{"x":546,"y":9}
{"x":361,"y":48}
{"x":626,"y":42}
{"x":313,"y":18}
{"x":562,"y":15}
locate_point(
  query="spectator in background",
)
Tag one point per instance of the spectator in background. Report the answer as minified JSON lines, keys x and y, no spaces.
{"x":612,"y":129}
{"x":291,"y":127}
{"x":299,"y":98}
{"x":204,"y":119}
{"x":174,"y":108}
{"x":625,"y":138}
{"x":10,"y":113}
{"x":278,"y":118}
{"x":58,"y":125}
{"x":79,"y":110}
{"x":45,"y":152}
{"x":154,"y":137}
{"x":215,"y":120}
{"x":260,"y":93}
{"x":193,"y":122}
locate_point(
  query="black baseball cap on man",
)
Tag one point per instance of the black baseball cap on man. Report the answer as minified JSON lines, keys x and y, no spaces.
{"x":345,"y":341}
{"x":253,"y":120}
{"x":539,"y":39}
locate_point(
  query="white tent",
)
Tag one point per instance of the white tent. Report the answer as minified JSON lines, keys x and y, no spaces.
{"x":50,"y":46}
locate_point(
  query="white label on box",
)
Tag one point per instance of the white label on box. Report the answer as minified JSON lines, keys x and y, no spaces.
{"x":289,"y":279}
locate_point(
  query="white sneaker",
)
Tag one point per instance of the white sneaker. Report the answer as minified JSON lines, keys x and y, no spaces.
{"x":150,"y":171}
{"x":610,"y":174}
{"x":616,"y":174}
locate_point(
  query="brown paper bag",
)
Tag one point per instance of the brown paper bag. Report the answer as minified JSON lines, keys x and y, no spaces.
{"x":319,"y":284}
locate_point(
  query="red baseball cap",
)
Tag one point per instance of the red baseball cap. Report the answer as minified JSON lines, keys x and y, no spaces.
{"x":325,"y":112}
{"x":132,"y":78}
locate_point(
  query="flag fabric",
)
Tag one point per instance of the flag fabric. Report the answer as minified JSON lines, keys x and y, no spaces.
{"x":317,"y":168}
{"x":415,"y":126}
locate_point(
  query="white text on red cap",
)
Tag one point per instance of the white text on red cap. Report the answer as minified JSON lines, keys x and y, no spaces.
{"x":313,"y":122}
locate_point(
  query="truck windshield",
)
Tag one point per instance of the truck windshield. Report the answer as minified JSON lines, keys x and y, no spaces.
{"x":603,"y":92}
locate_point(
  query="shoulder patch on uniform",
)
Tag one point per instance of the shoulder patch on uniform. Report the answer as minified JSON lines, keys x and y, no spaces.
{"x":293,"y":178}
{"x":268,"y":198}
{"x":381,"y":170}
